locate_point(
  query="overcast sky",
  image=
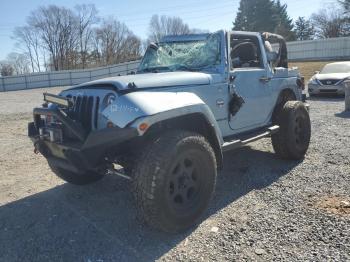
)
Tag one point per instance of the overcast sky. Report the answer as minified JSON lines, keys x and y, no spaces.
{"x":203,"y":14}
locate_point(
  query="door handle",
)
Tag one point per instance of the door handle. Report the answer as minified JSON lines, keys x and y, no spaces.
{"x":265,"y":79}
{"x":220,"y":102}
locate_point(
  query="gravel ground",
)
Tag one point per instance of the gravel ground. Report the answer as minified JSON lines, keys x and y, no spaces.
{"x":264,"y":208}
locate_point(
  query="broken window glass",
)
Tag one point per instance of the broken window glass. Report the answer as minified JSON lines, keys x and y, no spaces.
{"x":191,"y":55}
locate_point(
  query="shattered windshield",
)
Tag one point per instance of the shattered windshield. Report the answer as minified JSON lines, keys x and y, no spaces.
{"x":192,"y":55}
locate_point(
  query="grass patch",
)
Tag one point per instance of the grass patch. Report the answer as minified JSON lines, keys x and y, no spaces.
{"x":308,"y":69}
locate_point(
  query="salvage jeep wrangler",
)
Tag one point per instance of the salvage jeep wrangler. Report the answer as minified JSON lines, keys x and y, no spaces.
{"x":166,"y":126}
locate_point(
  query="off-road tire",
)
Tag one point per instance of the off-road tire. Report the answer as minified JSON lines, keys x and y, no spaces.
{"x":292,"y":140}
{"x":76,"y":178}
{"x":174,"y":180}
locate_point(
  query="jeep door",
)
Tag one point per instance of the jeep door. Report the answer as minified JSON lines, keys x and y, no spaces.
{"x":249,"y":76}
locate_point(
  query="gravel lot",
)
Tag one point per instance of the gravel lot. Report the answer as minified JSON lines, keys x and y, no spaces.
{"x":264,"y":208}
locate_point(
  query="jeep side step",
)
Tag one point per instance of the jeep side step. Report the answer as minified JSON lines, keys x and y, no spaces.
{"x":234,"y":144}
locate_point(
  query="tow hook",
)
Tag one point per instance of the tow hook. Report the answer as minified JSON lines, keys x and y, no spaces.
{"x":40,"y":148}
{"x":36,"y":150}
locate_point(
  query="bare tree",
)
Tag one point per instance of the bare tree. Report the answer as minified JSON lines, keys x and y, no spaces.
{"x":130,"y":48}
{"x":96,"y":52}
{"x":330,"y":23}
{"x":19,"y":62}
{"x":115,"y":42}
{"x":6,"y":69}
{"x":28,"y":37}
{"x":57,"y":27}
{"x":87,"y":17}
{"x":164,"y":25}
{"x":58,"y":38}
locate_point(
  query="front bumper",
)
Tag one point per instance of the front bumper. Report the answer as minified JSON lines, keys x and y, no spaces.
{"x":77,"y":155}
{"x":321,"y":89}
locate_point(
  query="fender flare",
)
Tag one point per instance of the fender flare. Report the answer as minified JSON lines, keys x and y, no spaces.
{"x":152,"y":107}
{"x":213,"y":132}
{"x":201,"y":109}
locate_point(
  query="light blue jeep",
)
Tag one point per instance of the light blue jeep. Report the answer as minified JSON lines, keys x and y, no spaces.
{"x":192,"y":98}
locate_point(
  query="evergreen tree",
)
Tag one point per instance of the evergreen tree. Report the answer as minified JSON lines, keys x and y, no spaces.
{"x":346,"y":5}
{"x":255,"y":15}
{"x":262,"y":16}
{"x":284,"y":25}
{"x":304,"y":29}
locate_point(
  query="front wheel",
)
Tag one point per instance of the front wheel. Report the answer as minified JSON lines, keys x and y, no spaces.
{"x":293,"y":138}
{"x":174,"y":180}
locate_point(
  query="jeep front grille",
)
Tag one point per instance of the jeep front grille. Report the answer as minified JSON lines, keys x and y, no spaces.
{"x":85,"y":111}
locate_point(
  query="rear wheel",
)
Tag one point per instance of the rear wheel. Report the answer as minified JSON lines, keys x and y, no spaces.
{"x":76,"y":178}
{"x":174,"y":180}
{"x":293,"y":138}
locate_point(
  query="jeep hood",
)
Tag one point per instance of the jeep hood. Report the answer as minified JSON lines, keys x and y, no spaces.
{"x":152,"y":80}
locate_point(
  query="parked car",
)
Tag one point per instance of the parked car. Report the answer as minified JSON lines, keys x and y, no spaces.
{"x":330,"y":80}
{"x":193,"y":97}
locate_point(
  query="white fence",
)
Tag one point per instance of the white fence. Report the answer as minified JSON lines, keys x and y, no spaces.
{"x":322,"y":49}
{"x":313,"y":50}
{"x":64,"y":78}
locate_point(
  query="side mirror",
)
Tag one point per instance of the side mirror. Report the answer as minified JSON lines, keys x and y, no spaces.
{"x":317,"y":72}
{"x":272,"y":56}
{"x":153,"y":46}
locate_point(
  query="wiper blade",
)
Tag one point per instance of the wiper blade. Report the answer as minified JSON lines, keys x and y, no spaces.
{"x":185,"y":68}
{"x":155,"y":69}
{"x":192,"y":69}
{"x":199,"y":68}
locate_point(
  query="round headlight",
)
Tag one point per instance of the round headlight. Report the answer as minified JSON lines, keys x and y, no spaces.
{"x":109,"y":99}
{"x":313,"y":81}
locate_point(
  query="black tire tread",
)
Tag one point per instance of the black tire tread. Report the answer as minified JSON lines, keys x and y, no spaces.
{"x":152,"y":159}
{"x":280,"y":139}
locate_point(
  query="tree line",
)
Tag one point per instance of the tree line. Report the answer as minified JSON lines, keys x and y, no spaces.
{"x":58,"y":38}
{"x":272,"y":16}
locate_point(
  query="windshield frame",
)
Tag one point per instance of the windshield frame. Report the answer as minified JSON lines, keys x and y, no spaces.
{"x":218,"y":68}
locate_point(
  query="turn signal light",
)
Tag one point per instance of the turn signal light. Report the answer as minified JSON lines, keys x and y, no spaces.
{"x":110,"y":125}
{"x":143,"y":126}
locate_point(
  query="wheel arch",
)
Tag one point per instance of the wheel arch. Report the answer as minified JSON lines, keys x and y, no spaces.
{"x":195,"y":122}
{"x":285,"y":95}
